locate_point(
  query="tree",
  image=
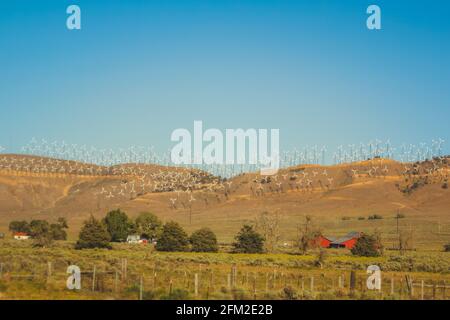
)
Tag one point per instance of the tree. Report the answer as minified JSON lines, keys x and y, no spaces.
{"x":268,"y":225}
{"x":148,"y":225}
{"x":19,"y":226}
{"x":93,"y":234}
{"x":308,"y":236}
{"x":204,"y":240}
{"x":57,"y":229}
{"x":118,"y":225}
{"x":248,"y":241}
{"x":40,"y":232}
{"x":367,"y":246}
{"x":173,"y":238}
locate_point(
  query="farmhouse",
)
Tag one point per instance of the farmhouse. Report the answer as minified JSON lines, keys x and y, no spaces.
{"x":136,"y":239}
{"x":21,"y":236}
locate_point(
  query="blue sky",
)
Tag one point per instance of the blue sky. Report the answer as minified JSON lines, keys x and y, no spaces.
{"x":137,"y":70}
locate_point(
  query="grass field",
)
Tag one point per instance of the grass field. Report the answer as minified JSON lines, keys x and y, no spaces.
{"x":140,"y":272}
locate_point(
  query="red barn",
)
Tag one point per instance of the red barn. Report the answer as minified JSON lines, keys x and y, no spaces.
{"x":347,"y":242}
{"x":325,"y":242}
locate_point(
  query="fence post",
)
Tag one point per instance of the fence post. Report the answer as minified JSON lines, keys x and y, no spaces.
{"x":116,"y":279}
{"x":392,"y":286}
{"x":434,"y":290}
{"x":141,"y":285}
{"x":340,"y":282}
{"x":1,"y":269}
{"x":352,"y":281}
{"x":93,"y":280}
{"x":196,"y":284}
{"x":444,"y":294}
{"x":422,"y":285}
{"x":170,"y":286}
{"x":229,"y":280}
{"x":49,"y":270}
{"x":312,"y":284}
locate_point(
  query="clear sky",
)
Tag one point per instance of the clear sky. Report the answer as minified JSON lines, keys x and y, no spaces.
{"x":137,"y":70}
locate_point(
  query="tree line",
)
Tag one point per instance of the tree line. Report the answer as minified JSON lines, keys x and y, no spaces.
{"x":116,"y":226}
{"x":42,"y":232}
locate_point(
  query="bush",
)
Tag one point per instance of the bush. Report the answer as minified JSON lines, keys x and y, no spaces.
{"x":375,"y":217}
{"x":93,"y":234}
{"x":118,"y":225}
{"x":173,"y":238}
{"x":204,"y":240}
{"x":361,"y":218}
{"x":400,"y":216}
{"x":289,"y":293}
{"x":176,"y":294}
{"x":248,"y":241}
{"x":367,"y":246}
{"x":447,"y":247}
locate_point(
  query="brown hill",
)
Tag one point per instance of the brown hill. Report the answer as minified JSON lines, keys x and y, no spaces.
{"x":35,"y":187}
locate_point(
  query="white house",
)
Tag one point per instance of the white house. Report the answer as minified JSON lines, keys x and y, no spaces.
{"x":21,"y":236}
{"x":134,"y":238}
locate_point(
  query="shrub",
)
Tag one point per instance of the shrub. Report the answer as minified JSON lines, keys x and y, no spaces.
{"x":375,"y":217}
{"x":176,"y":294}
{"x":93,"y":234}
{"x":447,"y":247}
{"x":361,"y":218}
{"x":248,"y":241}
{"x":118,"y":225}
{"x":204,"y":240}
{"x":367,"y":246}
{"x":289,"y":293}
{"x":173,"y":238}
{"x":400,"y":216}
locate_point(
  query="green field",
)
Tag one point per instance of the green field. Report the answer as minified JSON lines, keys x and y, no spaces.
{"x":140,"y":272}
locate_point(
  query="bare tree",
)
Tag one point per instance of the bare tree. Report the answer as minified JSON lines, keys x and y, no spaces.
{"x":268,"y":225}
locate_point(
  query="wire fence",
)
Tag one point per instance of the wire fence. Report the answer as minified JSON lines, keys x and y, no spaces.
{"x":235,"y":283}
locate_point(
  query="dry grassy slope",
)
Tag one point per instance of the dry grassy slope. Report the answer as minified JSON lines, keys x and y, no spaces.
{"x":35,"y":196}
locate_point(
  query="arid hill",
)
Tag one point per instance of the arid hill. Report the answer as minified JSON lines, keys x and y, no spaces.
{"x":35,"y":187}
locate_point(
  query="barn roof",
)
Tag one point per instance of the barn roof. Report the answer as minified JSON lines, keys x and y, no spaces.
{"x":349,"y":236}
{"x":329,"y":238}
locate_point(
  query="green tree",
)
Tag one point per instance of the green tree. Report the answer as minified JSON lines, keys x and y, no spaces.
{"x":248,"y":241}
{"x":40,"y":232}
{"x":19,"y":226}
{"x":93,"y":234}
{"x":58,"y":229}
{"x":367,"y":246}
{"x":204,"y":240}
{"x":148,"y":225}
{"x":118,"y":225}
{"x":173,"y":238}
